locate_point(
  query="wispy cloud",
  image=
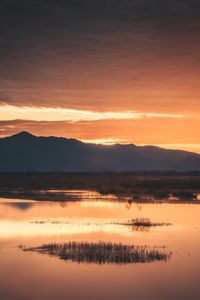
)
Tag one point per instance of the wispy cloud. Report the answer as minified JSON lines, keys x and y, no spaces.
{"x":8,"y":112}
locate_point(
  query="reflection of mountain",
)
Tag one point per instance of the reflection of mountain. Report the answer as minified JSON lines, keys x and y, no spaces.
{"x":102,"y":253}
{"x":25,"y":152}
{"x":21,"y":205}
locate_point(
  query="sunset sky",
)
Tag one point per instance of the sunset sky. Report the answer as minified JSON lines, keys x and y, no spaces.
{"x":104,"y":71}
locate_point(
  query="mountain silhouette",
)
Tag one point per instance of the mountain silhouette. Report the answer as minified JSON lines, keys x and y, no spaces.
{"x":24,"y":152}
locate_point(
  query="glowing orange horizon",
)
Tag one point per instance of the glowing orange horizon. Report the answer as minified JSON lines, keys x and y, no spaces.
{"x":164,"y":129}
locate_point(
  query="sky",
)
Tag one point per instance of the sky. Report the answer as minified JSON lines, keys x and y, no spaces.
{"x":103,"y":71}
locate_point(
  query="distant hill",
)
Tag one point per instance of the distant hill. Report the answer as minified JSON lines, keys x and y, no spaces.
{"x":26,"y":152}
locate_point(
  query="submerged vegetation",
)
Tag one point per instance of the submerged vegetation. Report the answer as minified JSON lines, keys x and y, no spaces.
{"x":102,"y":253}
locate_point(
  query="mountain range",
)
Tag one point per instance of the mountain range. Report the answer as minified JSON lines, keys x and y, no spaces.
{"x":24,"y":152}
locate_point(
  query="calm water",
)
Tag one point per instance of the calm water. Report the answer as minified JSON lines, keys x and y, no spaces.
{"x":29,"y":275}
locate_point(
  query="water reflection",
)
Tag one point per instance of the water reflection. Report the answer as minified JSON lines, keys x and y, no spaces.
{"x":87,"y":222}
{"x":30,"y":219}
{"x":18,"y":203}
{"x":54,"y":228}
{"x":22,"y":205}
{"x":93,"y":195}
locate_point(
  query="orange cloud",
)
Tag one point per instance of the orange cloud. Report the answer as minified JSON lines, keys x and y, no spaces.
{"x":9,"y":112}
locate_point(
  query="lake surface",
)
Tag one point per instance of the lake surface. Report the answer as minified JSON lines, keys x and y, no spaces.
{"x":91,"y":219}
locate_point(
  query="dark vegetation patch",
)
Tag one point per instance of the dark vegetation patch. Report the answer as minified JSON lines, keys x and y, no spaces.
{"x":137,"y":223}
{"x":102,"y":253}
{"x":142,"y":222}
{"x":50,"y":222}
{"x":140,"y":186}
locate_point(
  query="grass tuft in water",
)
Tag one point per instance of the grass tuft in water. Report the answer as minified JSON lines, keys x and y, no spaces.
{"x":102,"y":253}
{"x":143,"y":222}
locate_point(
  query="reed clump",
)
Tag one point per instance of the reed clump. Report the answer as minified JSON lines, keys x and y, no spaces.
{"x":102,"y":253}
{"x":143,"y":222}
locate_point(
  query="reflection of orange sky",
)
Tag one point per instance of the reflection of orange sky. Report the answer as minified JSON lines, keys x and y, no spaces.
{"x":83,"y":218}
{"x":103,"y":209}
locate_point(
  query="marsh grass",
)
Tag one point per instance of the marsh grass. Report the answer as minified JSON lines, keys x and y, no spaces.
{"x":102,"y":253}
{"x":142,"y":222}
{"x":128,"y":187}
